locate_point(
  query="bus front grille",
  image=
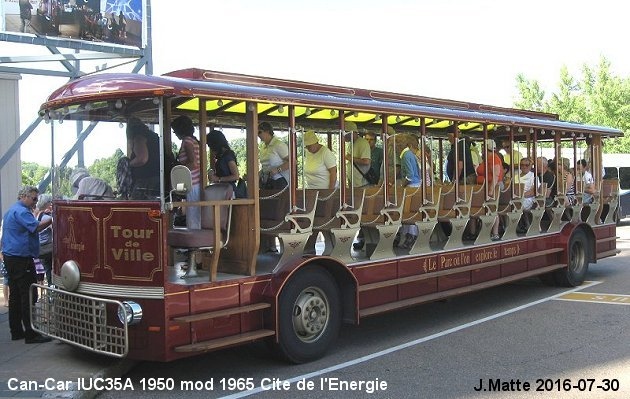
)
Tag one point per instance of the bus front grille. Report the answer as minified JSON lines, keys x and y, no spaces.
{"x":80,"y":320}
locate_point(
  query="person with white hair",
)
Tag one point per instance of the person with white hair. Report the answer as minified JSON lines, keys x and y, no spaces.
{"x":86,"y":187}
{"x":20,"y":244}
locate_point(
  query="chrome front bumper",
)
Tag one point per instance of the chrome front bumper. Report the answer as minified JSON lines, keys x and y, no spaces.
{"x":80,"y":320}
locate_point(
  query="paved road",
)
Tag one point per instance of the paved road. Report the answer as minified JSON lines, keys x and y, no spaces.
{"x":527,"y":336}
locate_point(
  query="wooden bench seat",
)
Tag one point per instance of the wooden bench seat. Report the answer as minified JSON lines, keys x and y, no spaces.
{"x":594,"y":206}
{"x":510,"y":208}
{"x":455,"y":211}
{"x":349,"y":219}
{"x":380,"y":223}
{"x":536,"y":213}
{"x":609,"y":201}
{"x":484,"y":211}
{"x":325,"y":217}
{"x":423,"y":212}
{"x":556,"y":211}
{"x":294,"y":228}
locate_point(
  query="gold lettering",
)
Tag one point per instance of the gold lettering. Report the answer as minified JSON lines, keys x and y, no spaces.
{"x":511,"y":251}
{"x":115,"y":230}
{"x":118,"y":231}
{"x":132,"y":255}
{"x":117,"y":253}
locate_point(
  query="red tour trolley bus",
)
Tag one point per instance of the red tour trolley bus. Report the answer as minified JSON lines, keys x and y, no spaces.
{"x":119,"y":285}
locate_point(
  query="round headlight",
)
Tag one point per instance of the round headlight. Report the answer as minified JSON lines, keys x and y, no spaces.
{"x":70,"y":275}
{"x":130,"y":312}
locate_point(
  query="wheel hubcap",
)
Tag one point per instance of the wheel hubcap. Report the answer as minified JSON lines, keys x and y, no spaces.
{"x":310,"y":314}
{"x":577,"y":257}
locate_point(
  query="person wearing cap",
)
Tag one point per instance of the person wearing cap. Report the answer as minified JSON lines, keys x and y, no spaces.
{"x":274,"y":158}
{"x":86,"y":187}
{"x":143,"y":151}
{"x":320,"y":164}
{"x":188,"y":156}
{"x":360,"y":159}
{"x":20,"y":244}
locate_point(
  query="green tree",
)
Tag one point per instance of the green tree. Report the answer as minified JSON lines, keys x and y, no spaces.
{"x":105,"y":168}
{"x":32,"y":173}
{"x":598,"y":97}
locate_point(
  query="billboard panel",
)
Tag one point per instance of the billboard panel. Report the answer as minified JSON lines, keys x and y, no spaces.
{"x":109,"y":21}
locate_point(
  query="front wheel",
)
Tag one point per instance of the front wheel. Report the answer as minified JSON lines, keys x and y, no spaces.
{"x":309,"y":315}
{"x":577,"y":262}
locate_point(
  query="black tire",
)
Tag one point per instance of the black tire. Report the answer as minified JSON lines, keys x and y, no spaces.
{"x":577,"y":262}
{"x":309,"y":315}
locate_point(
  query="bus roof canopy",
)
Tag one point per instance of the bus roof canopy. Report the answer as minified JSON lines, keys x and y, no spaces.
{"x":315,"y":104}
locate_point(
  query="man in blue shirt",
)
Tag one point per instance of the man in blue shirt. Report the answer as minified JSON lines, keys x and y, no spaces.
{"x":20,"y":244}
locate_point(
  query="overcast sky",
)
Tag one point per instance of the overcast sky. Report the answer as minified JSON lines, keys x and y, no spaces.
{"x":467,"y":50}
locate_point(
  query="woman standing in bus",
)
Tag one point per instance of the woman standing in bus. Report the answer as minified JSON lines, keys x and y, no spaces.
{"x":189,"y":156}
{"x":320,"y":164}
{"x":143,"y":149}
{"x":274,"y":159}
{"x":225,"y":166}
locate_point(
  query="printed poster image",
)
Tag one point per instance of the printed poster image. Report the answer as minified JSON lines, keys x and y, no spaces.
{"x":110,"y":21}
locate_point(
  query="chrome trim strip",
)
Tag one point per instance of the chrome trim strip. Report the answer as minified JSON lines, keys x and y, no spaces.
{"x":107,"y":290}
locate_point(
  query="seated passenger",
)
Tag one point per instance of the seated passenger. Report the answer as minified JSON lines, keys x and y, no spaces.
{"x":225,"y":165}
{"x":566,"y":180}
{"x":569,"y":180}
{"x":587,"y":178}
{"x":526,"y":177}
{"x":492,"y":163}
{"x":546,"y":176}
{"x":89,"y":188}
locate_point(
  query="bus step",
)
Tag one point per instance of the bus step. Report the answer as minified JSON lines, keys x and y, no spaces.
{"x":225,"y":341}
{"x":222,"y":313}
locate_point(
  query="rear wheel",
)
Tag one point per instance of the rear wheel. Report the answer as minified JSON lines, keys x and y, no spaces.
{"x":577,"y":263}
{"x":309,"y":315}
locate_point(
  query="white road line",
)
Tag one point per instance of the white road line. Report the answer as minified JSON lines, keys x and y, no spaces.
{"x":410,"y":344}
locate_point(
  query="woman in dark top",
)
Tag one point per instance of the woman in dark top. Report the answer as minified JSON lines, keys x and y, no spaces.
{"x":225,"y":167}
{"x":143,"y":150}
